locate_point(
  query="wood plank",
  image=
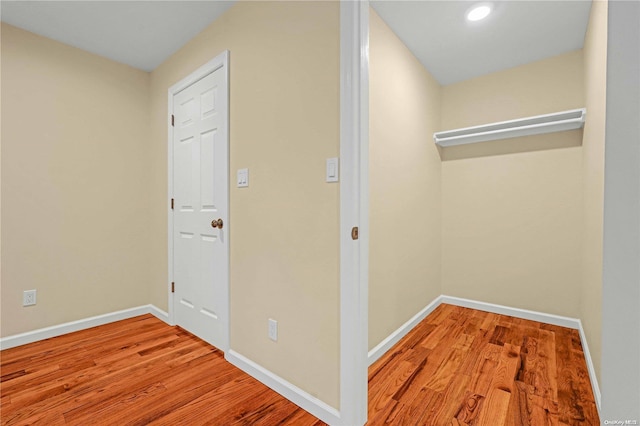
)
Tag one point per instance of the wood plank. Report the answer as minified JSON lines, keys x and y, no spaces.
{"x":423,"y":373}
{"x":506,"y":370}
{"x":447,"y":331}
{"x":381,"y":395}
{"x":301,"y":418}
{"x":446,"y":370}
{"x":53,"y":418}
{"x":545,"y":382}
{"x":468,"y":412}
{"x":439,"y":314}
{"x":498,"y":335}
{"x":575,"y":404}
{"x":494,"y":412}
{"x":445,"y":408}
{"x":526,"y":408}
{"x":406,"y":413}
{"x":233,"y":401}
{"x":482,"y":375}
{"x":385,"y":414}
{"x":490,"y":321}
{"x":518,"y":413}
{"x":428,"y":416}
{"x":479,"y":351}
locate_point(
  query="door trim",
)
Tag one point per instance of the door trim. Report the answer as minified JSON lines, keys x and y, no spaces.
{"x":220,"y":61}
{"x":354,"y":210}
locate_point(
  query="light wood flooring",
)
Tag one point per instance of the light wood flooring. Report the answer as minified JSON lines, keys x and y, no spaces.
{"x":457,"y":367}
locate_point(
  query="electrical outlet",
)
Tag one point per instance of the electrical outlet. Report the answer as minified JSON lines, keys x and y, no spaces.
{"x":273,"y":330}
{"x":28,"y":298}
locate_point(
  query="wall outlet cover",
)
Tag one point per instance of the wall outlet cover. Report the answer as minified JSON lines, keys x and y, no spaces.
{"x":29,"y":298}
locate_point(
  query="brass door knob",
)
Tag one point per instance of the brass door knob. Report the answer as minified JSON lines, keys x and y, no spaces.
{"x":217,"y":223}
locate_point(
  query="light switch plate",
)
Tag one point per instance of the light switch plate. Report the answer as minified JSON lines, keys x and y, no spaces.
{"x":332,"y":169}
{"x":273,"y":330}
{"x":243,"y":178}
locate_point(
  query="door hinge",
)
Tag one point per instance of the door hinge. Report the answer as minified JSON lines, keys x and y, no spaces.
{"x":354,"y":233}
{"x":172,"y":201}
{"x":173,"y":287}
{"x":172,"y":120}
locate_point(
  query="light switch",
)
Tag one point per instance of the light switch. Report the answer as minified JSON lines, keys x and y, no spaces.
{"x":332,"y":169}
{"x":243,"y":178}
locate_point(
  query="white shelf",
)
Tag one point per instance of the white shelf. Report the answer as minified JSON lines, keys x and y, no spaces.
{"x":548,"y":123}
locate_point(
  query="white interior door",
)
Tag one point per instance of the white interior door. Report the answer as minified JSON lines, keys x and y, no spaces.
{"x":199,"y":149}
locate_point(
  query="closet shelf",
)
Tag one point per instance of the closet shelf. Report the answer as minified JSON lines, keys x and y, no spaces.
{"x":547,"y":123}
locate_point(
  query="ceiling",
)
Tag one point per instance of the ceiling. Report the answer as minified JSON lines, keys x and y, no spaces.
{"x":515,"y":33}
{"x":144,"y":34}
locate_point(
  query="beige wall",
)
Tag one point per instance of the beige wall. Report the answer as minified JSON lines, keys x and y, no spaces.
{"x":284,"y":63}
{"x":545,"y":86}
{"x":74,"y":183}
{"x":595,"y":70}
{"x":404,"y":170}
{"x":512,"y":221}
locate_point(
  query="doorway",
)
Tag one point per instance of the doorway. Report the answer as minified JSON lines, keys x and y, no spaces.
{"x":199,"y":203}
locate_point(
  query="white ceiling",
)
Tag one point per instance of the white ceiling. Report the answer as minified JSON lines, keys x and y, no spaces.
{"x":144,"y":34}
{"x":516,"y":33}
{"x":138,"y":33}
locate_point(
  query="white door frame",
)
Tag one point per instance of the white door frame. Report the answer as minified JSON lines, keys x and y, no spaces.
{"x":220,"y":61}
{"x":354,"y":210}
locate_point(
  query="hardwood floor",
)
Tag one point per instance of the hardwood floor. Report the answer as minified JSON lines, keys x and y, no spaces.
{"x":457,"y":367}
{"x":134,"y":372}
{"x":465,"y":367}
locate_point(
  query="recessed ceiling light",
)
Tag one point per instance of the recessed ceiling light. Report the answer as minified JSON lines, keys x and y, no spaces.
{"x":478,"y":12}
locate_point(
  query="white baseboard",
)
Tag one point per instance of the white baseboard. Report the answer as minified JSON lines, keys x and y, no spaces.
{"x":590,"y":367}
{"x":83,"y":324}
{"x":382,"y":347}
{"x":304,"y":400}
{"x":558,"y":320}
{"x":159,"y":313}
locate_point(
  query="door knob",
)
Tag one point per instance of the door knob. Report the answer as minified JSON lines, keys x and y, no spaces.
{"x":217,"y":223}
